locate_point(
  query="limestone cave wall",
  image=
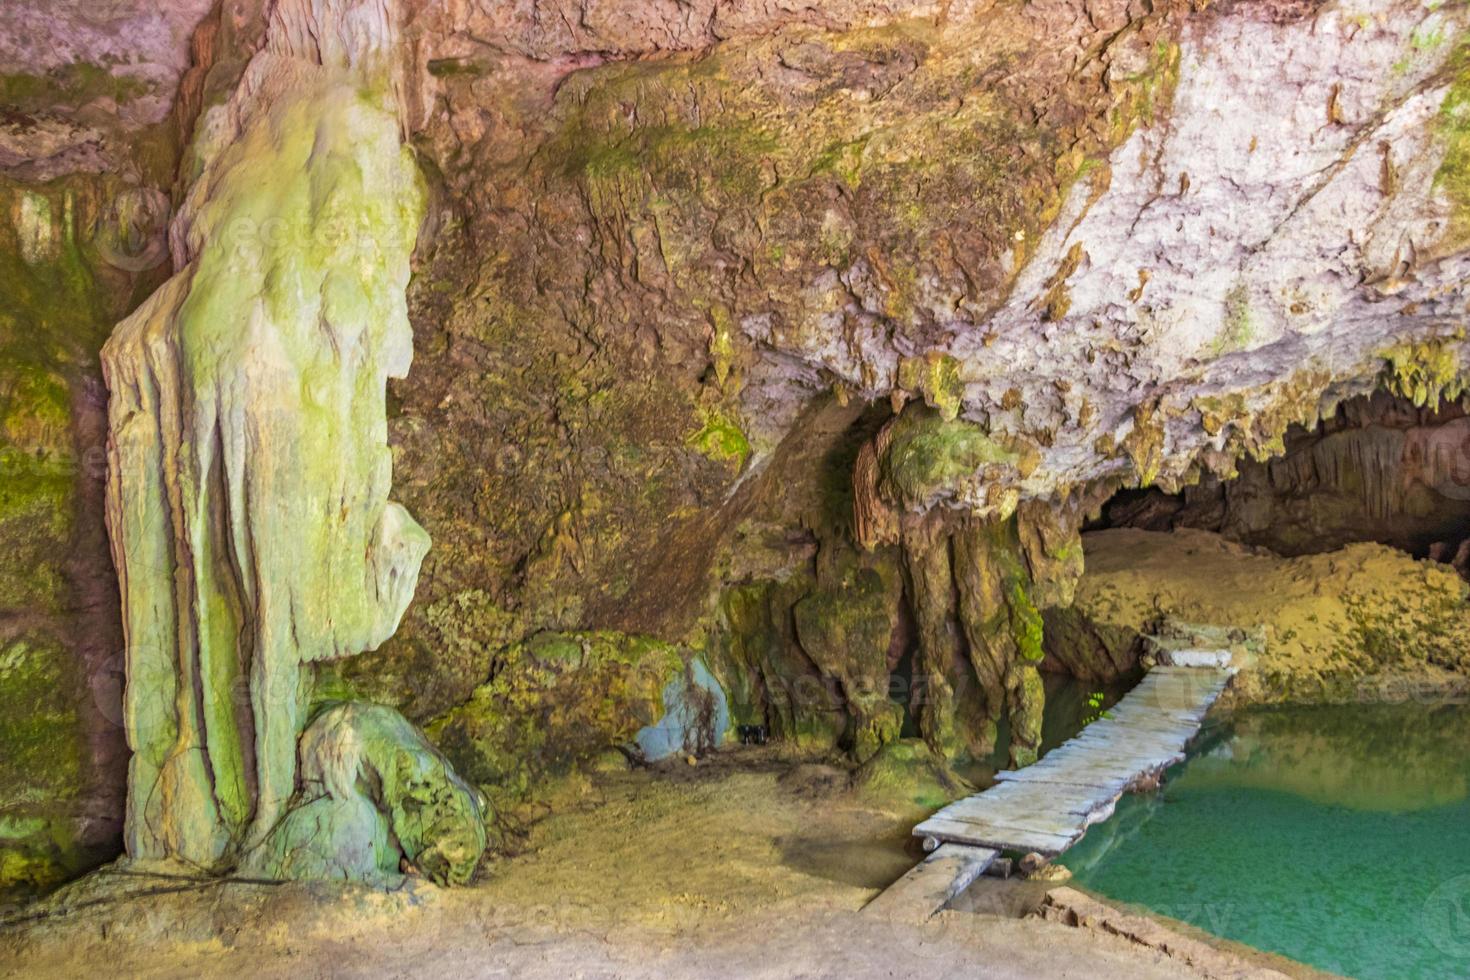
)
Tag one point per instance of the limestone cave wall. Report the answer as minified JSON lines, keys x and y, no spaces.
{"x":762,"y":351}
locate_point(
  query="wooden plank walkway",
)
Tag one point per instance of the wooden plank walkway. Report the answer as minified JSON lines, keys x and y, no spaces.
{"x":1047,"y":807}
{"x":932,"y":884}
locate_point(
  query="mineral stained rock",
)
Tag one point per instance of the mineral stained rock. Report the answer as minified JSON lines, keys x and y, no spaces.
{"x":249,"y":471}
{"x":374,"y":791}
{"x":846,"y":626}
{"x":1075,"y":246}
{"x":557,"y":698}
{"x":62,"y":753}
{"x":696,"y":717}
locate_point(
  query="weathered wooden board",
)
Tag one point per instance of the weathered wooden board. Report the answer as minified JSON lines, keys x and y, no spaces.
{"x":932,"y":884}
{"x":1048,"y":806}
{"x":1023,"y":839}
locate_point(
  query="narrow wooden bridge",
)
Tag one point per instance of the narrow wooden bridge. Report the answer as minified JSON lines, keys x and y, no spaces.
{"x":1046,"y":808}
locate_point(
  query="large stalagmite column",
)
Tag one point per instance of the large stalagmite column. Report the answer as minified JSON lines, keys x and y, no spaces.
{"x":975,"y":574}
{"x":249,"y":466}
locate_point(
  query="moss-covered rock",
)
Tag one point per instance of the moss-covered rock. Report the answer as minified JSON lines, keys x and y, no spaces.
{"x":931,"y":458}
{"x":936,"y":377}
{"x":552,"y":701}
{"x":44,"y":763}
{"x":1003,"y":631}
{"x":907,"y":772}
{"x":62,"y":752}
{"x":374,"y":792}
{"x":1453,"y":126}
{"x":846,"y":626}
{"x":768,"y":676}
{"x":76,"y":83}
{"x":1427,"y":373}
{"x":946,"y":700}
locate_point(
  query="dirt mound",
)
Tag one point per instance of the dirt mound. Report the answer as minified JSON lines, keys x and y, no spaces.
{"x":1366,"y":622}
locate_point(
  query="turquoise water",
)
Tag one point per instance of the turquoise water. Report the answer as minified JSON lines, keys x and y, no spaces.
{"x":1339,"y":837}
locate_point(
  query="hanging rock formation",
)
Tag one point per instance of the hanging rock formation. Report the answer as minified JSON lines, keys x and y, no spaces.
{"x":249,"y":474}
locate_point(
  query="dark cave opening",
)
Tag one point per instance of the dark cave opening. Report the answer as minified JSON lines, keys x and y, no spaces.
{"x":900,"y":689}
{"x":1379,"y":469}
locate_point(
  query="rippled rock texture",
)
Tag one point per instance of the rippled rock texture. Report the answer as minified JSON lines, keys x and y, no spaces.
{"x":249,"y":466}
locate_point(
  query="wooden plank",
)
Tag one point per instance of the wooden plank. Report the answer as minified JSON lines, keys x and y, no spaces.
{"x":1114,"y":780}
{"x":1105,"y":770}
{"x":1001,"y":838}
{"x":1103,"y":761}
{"x":1196,"y":658}
{"x":1100,"y":787}
{"x":1058,"y":822}
{"x":1052,"y":822}
{"x":1120,"y":744}
{"x":1074,"y":753}
{"x":932,"y":884}
{"x":1048,"y":806}
{"x":1102,"y":756}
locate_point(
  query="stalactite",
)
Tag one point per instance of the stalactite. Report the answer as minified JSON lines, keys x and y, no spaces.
{"x":873,"y":521}
{"x":1368,"y":460}
{"x":1381,"y":464}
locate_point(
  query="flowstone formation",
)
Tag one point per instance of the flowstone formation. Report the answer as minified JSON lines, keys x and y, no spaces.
{"x":249,"y":475}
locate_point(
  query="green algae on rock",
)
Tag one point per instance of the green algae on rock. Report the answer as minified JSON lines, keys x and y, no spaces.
{"x":43,"y":767}
{"x":62,"y":291}
{"x":846,"y":628}
{"x":552,"y":701}
{"x":374,"y":792}
{"x":249,"y":466}
{"x":907,"y":771}
{"x":931,"y":458}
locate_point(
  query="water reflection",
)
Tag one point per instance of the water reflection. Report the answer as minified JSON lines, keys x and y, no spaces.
{"x":1386,"y":758}
{"x":1339,"y":837}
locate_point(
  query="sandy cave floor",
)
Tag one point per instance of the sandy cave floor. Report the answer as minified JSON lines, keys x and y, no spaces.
{"x":747,"y":865}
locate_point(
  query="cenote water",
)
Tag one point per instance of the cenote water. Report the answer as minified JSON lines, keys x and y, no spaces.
{"x":1339,"y":837}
